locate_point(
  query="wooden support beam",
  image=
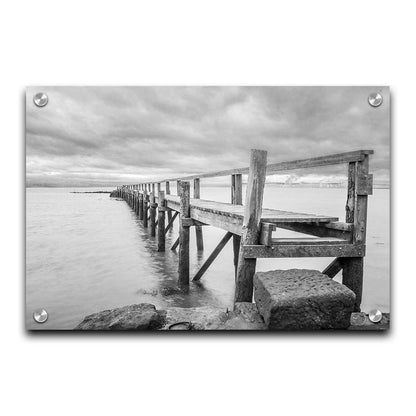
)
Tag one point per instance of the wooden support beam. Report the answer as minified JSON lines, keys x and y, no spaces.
{"x":198,"y":229}
{"x":167,"y":192}
{"x":140,"y":206}
{"x":333,"y":268}
{"x":152,"y":212}
{"x":251,"y":225}
{"x":145,"y":208}
{"x":184,"y":211}
{"x":175,"y":244}
{"x":236,"y":199}
{"x":353,"y":268}
{"x":331,"y":229}
{"x":213,"y":256}
{"x":266,"y":232}
{"x":302,"y":250}
{"x":172,"y":220}
{"x":161,"y":222}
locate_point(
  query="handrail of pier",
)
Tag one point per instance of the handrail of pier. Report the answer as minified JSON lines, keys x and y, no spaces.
{"x":334,"y":159}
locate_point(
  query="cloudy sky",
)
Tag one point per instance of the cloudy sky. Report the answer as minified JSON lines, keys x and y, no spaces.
{"x":98,"y":136}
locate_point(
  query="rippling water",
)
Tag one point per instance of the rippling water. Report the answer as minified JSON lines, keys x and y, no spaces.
{"x":89,"y":252}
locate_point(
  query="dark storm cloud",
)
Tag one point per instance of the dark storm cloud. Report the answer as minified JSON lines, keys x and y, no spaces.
{"x":113,"y":135}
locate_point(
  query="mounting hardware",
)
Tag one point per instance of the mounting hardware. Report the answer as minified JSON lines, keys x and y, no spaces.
{"x":40,"y":316}
{"x":375,"y":315}
{"x":375,"y":99}
{"x":40,"y":99}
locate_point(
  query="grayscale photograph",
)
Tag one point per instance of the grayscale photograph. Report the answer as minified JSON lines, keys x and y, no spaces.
{"x":217,"y":208}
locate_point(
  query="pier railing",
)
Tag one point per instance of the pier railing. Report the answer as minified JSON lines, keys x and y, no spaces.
{"x":251,"y":227}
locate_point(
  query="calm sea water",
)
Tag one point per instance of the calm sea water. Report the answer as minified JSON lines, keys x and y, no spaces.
{"x":89,"y":252}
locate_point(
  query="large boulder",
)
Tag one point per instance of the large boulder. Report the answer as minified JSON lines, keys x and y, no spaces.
{"x":141,"y":316}
{"x":302,"y":300}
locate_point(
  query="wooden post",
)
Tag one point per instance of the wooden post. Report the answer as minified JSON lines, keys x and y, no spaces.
{"x":161,"y":222}
{"x":140,"y":206}
{"x":198,"y":229}
{"x":153,"y":206}
{"x":184,"y":211}
{"x":236,"y":199}
{"x":167,"y":191}
{"x":356,"y":212}
{"x":145,"y":208}
{"x":251,"y":225}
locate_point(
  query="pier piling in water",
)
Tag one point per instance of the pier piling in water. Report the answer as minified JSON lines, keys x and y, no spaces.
{"x":184,"y":213}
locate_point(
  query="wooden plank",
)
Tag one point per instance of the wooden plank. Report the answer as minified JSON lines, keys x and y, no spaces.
{"x":161,"y":223}
{"x":331,"y":229}
{"x":236,"y":199}
{"x":172,"y":220}
{"x":328,"y":160}
{"x":145,"y":208}
{"x":307,"y":241}
{"x":152,"y":215}
{"x":167,"y":192}
{"x":266,"y":232}
{"x":224,"y":222}
{"x":364,"y":184}
{"x":213,"y":256}
{"x":175,"y":244}
{"x":351,"y":196}
{"x":251,"y":225}
{"x":184,"y":212}
{"x":303,"y":250}
{"x":352,"y":277}
{"x":333,"y":268}
{"x":198,"y":230}
{"x":140,"y":206}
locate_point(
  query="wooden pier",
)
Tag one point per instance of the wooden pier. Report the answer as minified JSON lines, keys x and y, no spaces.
{"x":251,"y":227}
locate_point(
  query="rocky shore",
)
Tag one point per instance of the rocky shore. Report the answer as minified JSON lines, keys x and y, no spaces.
{"x":245,"y":316}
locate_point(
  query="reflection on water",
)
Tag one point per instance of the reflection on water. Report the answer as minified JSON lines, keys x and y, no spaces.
{"x":89,"y":252}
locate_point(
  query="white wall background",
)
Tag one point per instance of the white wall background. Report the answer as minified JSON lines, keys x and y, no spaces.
{"x":184,"y":42}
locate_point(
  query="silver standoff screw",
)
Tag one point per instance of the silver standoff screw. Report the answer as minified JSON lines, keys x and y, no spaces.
{"x":40,"y":99}
{"x":375,"y":99}
{"x":375,"y":315}
{"x":40,"y":316}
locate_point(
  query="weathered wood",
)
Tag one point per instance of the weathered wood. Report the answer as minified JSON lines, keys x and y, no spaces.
{"x":236,"y":199}
{"x":140,"y":206}
{"x":190,"y":222}
{"x":167,"y":192}
{"x":198,"y":230}
{"x":161,"y":222}
{"x":302,"y":250}
{"x":307,"y":241}
{"x":213,"y":256}
{"x":172,"y":220}
{"x":331,"y":229}
{"x":334,"y":159}
{"x":266,"y":232}
{"x":184,"y":212}
{"x":152,"y":210}
{"x":364,"y":184}
{"x":351,"y":195}
{"x":175,"y":244}
{"x":251,"y":225}
{"x":353,"y":268}
{"x":352,"y":277}
{"x":333,"y":268}
{"x":145,"y":208}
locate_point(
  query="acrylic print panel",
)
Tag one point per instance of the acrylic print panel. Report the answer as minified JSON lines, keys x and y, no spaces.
{"x":207,"y":208}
